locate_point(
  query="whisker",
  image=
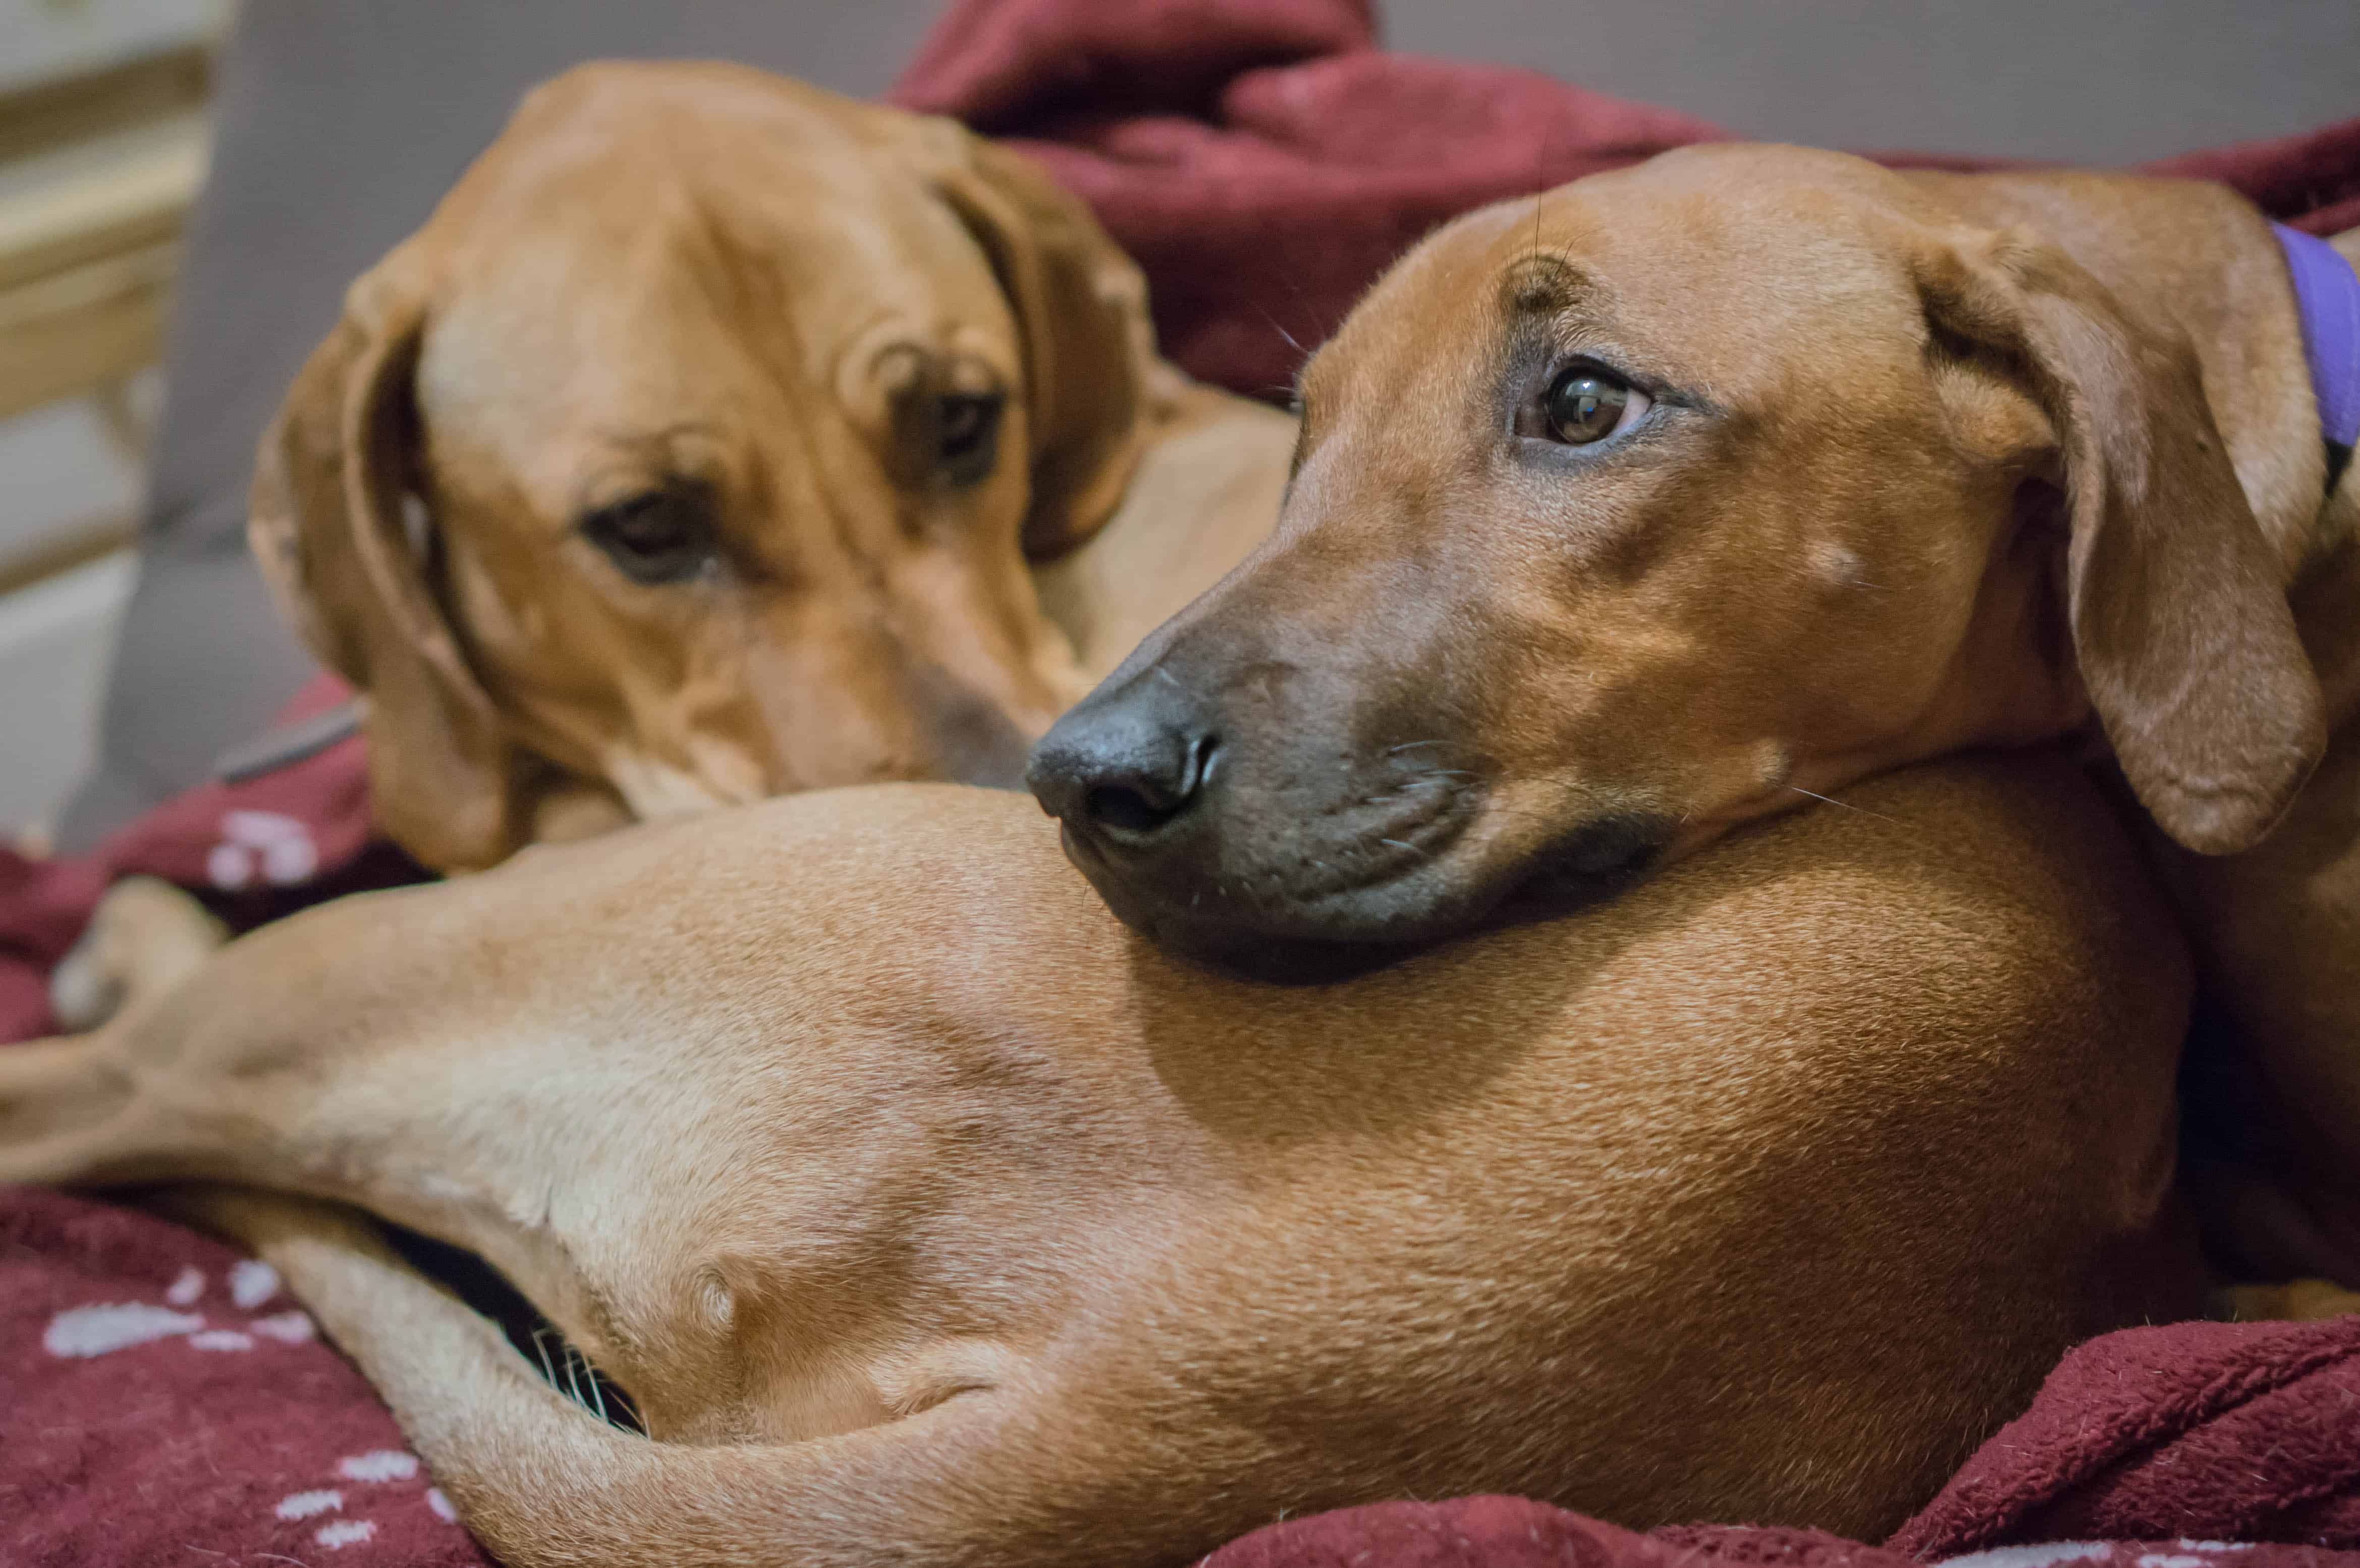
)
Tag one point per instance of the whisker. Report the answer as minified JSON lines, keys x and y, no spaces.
{"x":1847,"y":805}
{"x":1411,"y":746}
{"x":1168,"y":678}
{"x":582,"y":1382}
{"x":1295,"y":287}
{"x":1282,"y":333}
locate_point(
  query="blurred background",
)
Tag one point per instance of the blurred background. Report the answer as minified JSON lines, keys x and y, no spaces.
{"x":133,"y":634}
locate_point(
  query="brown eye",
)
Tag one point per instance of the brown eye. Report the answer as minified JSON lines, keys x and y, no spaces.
{"x":966,"y":434}
{"x":659,"y":536}
{"x":1586,"y":404}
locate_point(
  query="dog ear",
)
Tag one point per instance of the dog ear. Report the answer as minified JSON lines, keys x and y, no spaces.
{"x":2181,"y":626}
{"x":1090,"y":349}
{"x":327,"y":522}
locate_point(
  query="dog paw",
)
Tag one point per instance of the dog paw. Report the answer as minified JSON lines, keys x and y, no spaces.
{"x":145,"y":935}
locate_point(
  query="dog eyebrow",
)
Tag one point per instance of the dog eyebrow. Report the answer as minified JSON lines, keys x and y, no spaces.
{"x":1542,"y":284}
{"x":1539,"y":289}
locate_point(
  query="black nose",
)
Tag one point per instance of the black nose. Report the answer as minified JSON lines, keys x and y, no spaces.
{"x":975,"y":741}
{"x":1129,"y":766}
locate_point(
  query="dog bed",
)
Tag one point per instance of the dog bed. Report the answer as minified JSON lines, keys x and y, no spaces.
{"x":161,"y":1401}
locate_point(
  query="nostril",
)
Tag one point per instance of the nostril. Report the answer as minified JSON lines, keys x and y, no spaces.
{"x":1199,"y":772}
{"x":1140,"y":800}
{"x":1124,"y":766}
{"x":1126,"y":809}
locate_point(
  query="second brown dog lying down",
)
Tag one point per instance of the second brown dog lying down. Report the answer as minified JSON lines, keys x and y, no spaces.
{"x":719,"y":437}
{"x":932,"y":1216}
{"x":1686,"y":495}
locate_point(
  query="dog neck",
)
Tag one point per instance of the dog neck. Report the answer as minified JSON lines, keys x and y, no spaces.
{"x":2327,"y":301}
{"x":2326,"y":578}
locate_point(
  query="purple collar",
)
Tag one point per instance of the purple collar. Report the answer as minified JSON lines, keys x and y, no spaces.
{"x":2327,"y":294}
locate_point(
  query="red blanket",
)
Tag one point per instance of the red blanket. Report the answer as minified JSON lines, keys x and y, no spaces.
{"x":1263,"y":159}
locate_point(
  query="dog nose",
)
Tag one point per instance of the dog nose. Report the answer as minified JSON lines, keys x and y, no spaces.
{"x":975,"y":740}
{"x":1125,"y":767}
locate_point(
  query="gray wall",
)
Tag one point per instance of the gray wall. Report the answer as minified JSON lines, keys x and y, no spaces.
{"x":2082,"y":80}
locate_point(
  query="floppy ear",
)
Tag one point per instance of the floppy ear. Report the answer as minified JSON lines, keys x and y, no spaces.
{"x":1090,"y":349}
{"x":326,"y":522}
{"x":2181,"y":626}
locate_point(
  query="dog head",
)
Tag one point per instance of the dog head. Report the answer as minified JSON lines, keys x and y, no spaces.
{"x":1670,"y":500}
{"x":694,"y":451}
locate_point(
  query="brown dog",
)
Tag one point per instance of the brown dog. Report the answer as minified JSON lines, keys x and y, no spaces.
{"x":1690,"y":493}
{"x":697,"y":449}
{"x":932,"y":1217}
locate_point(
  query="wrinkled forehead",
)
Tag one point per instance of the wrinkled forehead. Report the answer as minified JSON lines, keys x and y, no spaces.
{"x":628,"y":278}
{"x":1720,"y":270}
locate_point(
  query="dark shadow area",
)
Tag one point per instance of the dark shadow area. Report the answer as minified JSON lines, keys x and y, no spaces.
{"x":486,"y":1291}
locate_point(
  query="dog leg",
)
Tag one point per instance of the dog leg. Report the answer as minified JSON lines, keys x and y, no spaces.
{"x":542,"y":1482}
{"x":76,"y":1111}
{"x":197,"y":1078}
{"x":99,"y":1109}
{"x":439,"y":1058}
{"x":54,"y":1094}
{"x":61,"y":1099}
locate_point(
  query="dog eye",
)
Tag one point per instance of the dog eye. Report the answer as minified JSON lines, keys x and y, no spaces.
{"x":659,"y":536}
{"x":966,"y":433}
{"x":1586,"y":404}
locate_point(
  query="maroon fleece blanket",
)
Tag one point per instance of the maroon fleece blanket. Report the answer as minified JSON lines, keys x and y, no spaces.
{"x":161,"y":1403}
